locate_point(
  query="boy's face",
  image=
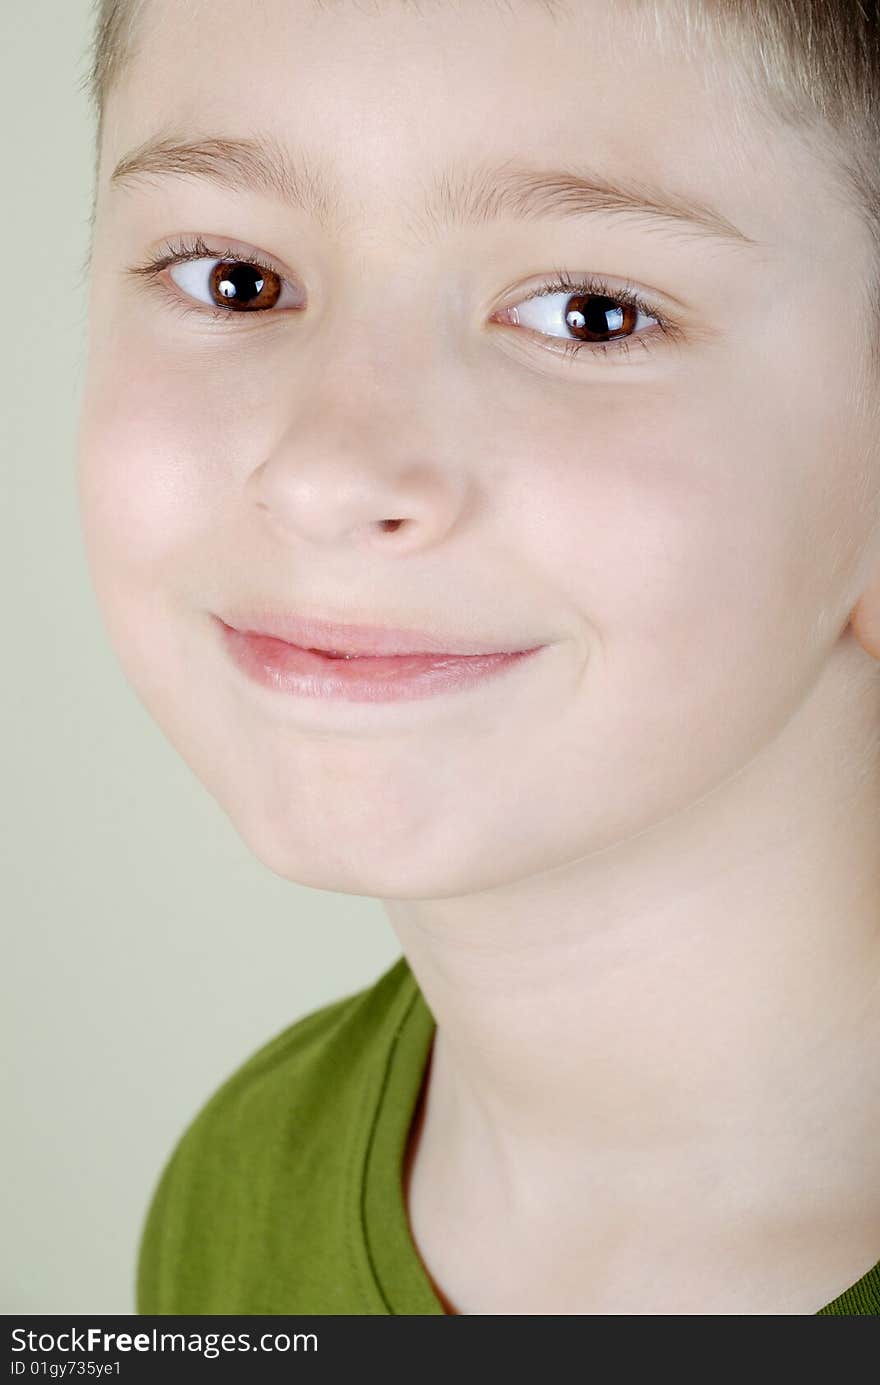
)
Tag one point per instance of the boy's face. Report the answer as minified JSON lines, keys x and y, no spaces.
{"x":681,"y":525}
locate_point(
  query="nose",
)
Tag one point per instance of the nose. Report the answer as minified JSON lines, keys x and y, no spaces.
{"x":364,"y":454}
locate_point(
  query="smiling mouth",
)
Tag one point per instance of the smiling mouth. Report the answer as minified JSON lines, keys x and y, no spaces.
{"x":303,"y":670}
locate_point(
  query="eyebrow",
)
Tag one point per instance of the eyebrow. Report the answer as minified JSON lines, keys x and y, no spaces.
{"x":460,"y":196}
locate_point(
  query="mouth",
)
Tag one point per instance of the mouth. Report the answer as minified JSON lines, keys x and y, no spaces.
{"x":308,"y":670}
{"x":334,"y":640}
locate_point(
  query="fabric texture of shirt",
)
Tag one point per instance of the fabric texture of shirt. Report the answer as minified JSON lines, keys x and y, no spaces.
{"x":285,"y":1193}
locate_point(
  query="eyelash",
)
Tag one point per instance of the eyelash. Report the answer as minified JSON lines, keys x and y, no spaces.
{"x":628,"y":294}
{"x":562,"y":282}
{"x":178,"y":252}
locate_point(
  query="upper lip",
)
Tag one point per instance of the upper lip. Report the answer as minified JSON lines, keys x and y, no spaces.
{"x":311,"y":633}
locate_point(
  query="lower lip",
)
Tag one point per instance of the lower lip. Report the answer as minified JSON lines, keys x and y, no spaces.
{"x":368,"y":678}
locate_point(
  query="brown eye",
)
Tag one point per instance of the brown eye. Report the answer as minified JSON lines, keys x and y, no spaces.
{"x":592,"y":317}
{"x":588,"y":313}
{"x":233,"y":286}
{"x":244,"y":287}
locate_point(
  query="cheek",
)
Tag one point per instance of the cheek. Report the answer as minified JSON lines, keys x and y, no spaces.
{"x":652,"y":521}
{"x":691,"y":514}
{"x":150,"y":480}
{"x":150,"y":474}
{"x":689,"y":554}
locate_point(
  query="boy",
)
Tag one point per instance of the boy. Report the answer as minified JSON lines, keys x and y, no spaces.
{"x":479,"y":468}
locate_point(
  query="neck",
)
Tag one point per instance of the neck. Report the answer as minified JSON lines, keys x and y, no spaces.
{"x":697,"y":1001}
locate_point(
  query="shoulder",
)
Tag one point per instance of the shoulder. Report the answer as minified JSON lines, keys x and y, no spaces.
{"x":317,"y":1054}
{"x":274,"y":1131}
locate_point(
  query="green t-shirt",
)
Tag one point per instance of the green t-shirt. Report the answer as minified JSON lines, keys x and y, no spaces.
{"x":285,"y":1194}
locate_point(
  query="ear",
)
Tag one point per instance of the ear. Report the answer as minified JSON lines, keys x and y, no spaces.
{"x":865,"y":619}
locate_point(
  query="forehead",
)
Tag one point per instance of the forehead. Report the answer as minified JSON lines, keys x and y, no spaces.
{"x":380,"y":98}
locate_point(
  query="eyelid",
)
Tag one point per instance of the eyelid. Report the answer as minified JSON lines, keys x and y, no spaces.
{"x":176,"y":249}
{"x":663,"y":305}
{"x":565,"y":285}
{"x":185,"y":249}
